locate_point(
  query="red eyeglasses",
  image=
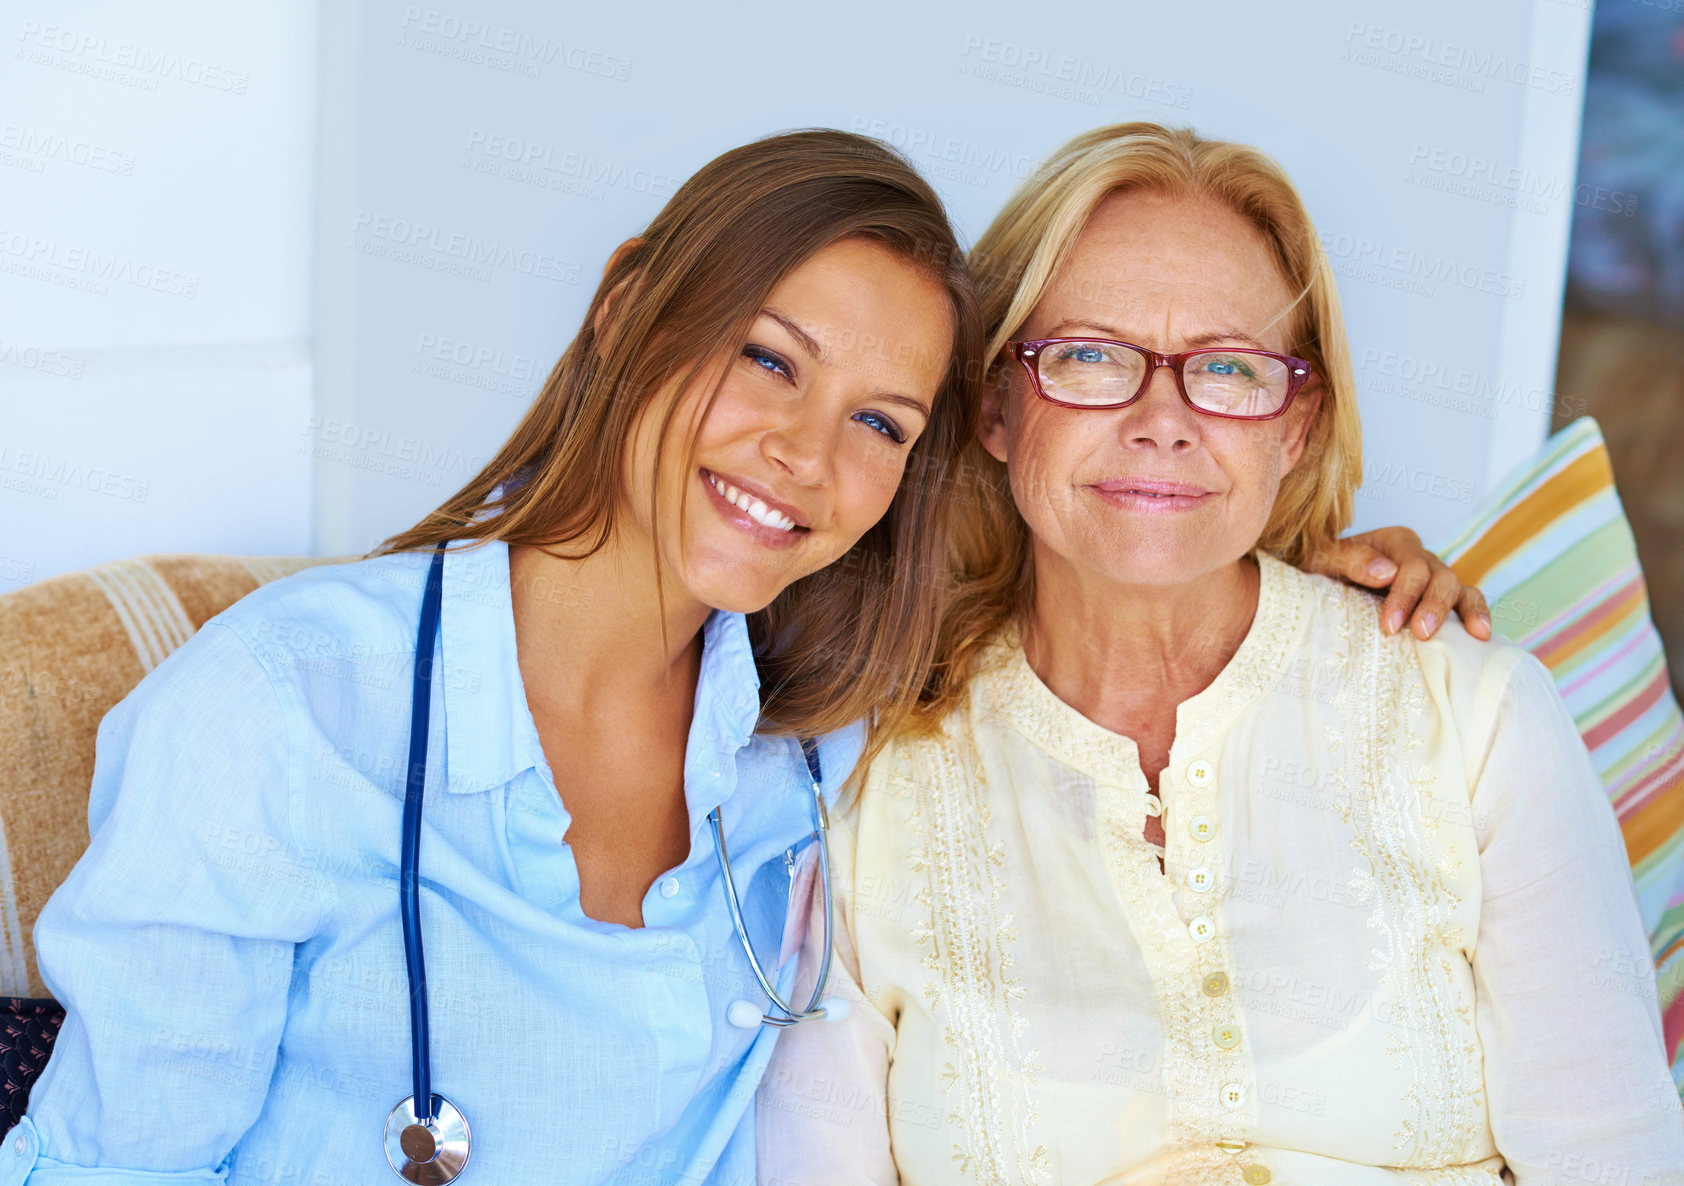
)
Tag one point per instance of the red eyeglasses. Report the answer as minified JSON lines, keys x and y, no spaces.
{"x":1100,"y":373}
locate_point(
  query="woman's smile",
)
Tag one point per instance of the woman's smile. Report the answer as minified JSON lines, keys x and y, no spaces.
{"x":1152,"y":495}
{"x":767,"y":521}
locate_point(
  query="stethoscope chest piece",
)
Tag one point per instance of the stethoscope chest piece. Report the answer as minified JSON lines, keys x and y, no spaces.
{"x":427,"y":1154}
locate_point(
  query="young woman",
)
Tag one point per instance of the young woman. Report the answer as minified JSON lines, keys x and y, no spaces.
{"x":710,"y":536}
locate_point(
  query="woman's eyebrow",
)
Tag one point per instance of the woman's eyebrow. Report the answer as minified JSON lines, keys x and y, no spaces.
{"x":1110,"y":331}
{"x":895,"y":397}
{"x":808,"y":343}
{"x":1223,"y":334}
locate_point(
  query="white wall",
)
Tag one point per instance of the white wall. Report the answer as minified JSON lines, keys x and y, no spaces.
{"x":380,"y":290}
{"x":1434,"y":143}
{"x":156,"y":187}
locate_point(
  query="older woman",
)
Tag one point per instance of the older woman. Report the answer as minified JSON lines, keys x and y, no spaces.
{"x":1197,"y":876}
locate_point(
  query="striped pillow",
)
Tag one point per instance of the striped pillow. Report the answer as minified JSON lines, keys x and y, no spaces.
{"x":1553,"y":553}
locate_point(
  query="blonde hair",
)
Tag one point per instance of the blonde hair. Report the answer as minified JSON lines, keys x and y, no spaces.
{"x":1015,"y":263}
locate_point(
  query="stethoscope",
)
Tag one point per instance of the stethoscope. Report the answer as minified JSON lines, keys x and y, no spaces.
{"x":432,"y":1148}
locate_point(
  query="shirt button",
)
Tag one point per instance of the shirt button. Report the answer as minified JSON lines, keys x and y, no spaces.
{"x":1232,"y":1095}
{"x":1202,"y":928}
{"x":1201,"y":828}
{"x":1200,"y":878}
{"x":1216,"y":984}
{"x":1257,"y":1175}
{"x":1200,"y":773}
{"x":669,"y":887}
{"x":1226,"y":1036}
{"x":24,"y":1147}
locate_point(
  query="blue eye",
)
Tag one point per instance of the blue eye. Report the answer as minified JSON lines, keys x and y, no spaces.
{"x":767,"y":361}
{"x":881,"y":423}
{"x":1224,"y":366}
{"x":1084,"y":354}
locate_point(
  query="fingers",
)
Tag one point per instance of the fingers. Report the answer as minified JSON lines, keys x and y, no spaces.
{"x":1358,"y":561}
{"x":1476,"y":615}
{"x":1413,"y":578}
{"x":1443,"y":589}
{"x":1424,"y":589}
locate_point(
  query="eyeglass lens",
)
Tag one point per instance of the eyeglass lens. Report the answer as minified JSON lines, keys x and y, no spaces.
{"x":1226,"y":382}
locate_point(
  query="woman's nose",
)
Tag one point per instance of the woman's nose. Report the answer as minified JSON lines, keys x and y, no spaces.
{"x":1160,"y":419}
{"x":802,"y":446}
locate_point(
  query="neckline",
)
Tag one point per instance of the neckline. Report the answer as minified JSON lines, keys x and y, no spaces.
{"x":1018,"y":696}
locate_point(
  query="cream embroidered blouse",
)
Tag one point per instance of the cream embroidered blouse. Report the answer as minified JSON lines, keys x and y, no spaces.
{"x":1394,"y":939}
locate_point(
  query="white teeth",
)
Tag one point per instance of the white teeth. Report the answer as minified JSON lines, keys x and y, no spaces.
{"x":753,"y":507}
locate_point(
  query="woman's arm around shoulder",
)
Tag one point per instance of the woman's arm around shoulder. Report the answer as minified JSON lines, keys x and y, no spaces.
{"x":171,"y":942}
{"x":1575,"y":1069}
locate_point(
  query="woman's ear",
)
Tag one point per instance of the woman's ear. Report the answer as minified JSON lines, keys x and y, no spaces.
{"x":991,"y":425}
{"x":1302,"y":417}
{"x":605,"y":310}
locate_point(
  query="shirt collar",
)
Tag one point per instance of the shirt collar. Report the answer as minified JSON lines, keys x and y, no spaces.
{"x":728,"y":690}
{"x":489,"y":732}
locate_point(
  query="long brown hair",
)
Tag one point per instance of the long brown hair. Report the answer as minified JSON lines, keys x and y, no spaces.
{"x":1015,"y":262}
{"x":854,"y":639}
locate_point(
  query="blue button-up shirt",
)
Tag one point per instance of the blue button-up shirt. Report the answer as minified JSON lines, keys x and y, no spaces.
{"x":229,"y":950}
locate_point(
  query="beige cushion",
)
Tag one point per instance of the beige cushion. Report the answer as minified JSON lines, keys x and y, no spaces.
{"x":72,"y":646}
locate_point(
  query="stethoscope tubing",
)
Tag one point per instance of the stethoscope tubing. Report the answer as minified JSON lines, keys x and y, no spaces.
{"x":427,"y":1137}
{"x":421,"y":1071}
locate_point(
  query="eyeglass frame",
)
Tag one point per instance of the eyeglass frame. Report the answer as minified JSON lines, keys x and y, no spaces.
{"x":1027,"y":351}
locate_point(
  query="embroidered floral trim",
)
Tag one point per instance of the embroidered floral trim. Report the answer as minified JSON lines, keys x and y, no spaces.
{"x":1412,"y":909}
{"x":989,"y":1076}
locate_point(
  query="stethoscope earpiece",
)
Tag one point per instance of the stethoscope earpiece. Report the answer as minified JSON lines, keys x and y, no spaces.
{"x":745,"y":1015}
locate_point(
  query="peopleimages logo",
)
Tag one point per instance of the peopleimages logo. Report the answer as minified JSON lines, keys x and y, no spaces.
{"x":52,"y":473}
{"x":147,"y":64}
{"x":45,"y":362}
{"x":546,"y":165}
{"x":1038,"y":69}
{"x":469,"y":40}
{"x":1472,"y":175}
{"x":953,"y":157}
{"x":439,"y":249}
{"x":1414,"y":265}
{"x":44,"y":146}
{"x":79,"y":266}
{"x":1428,"y":58}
